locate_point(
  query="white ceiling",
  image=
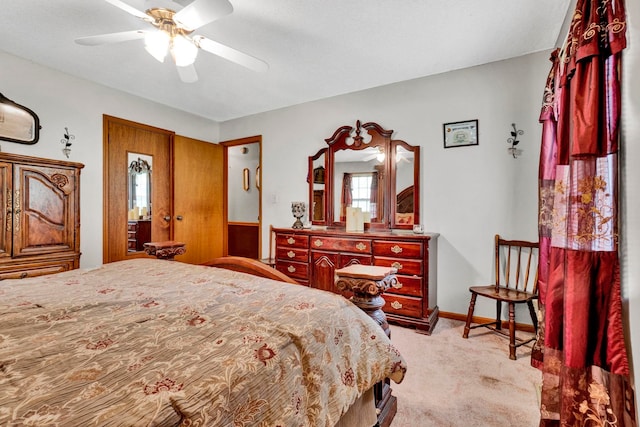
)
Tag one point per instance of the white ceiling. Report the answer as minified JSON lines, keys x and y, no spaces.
{"x":315,"y":48}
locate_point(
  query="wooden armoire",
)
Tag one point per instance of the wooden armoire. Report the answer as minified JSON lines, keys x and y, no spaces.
{"x":41,"y":216}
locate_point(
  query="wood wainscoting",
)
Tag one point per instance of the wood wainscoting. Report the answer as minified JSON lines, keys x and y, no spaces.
{"x":244,"y":239}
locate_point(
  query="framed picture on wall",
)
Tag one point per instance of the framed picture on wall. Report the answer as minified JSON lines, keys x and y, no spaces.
{"x":460,"y":134}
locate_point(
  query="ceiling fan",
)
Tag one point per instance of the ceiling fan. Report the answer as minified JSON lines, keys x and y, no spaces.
{"x":174,"y":33}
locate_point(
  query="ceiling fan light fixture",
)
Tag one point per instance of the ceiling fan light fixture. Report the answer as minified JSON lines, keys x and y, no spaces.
{"x":157,"y":44}
{"x":184,"y":52}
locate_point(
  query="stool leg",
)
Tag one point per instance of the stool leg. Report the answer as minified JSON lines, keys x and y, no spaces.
{"x":472,"y":305}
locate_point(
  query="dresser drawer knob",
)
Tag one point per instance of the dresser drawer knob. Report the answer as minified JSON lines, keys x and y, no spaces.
{"x":397,"y":265}
{"x":291,"y":269}
{"x":318,"y":243}
{"x":291,"y":240}
{"x":291,"y":254}
{"x":396,"y":249}
{"x":396,"y":285}
{"x":396,"y":305}
{"x":361,"y":246}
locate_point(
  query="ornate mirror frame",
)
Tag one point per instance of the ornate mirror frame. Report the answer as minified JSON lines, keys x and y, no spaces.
{"x":398,"y":172}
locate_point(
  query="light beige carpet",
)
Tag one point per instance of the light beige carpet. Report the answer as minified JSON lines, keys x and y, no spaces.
{"x":456,"y":382}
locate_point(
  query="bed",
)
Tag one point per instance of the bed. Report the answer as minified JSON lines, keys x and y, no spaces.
{"x":152,"y":342}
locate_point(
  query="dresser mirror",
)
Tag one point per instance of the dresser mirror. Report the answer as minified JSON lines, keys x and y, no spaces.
{"x":363,"y":167}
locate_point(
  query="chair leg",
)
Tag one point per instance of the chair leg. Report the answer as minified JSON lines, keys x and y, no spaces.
{"x":498,"y":315}
{"x":534,"y":316}
{"x":512,"y":331}
{"x":472,"y":305}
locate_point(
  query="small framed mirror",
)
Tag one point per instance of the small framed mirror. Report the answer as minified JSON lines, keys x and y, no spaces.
{"x":17,"y":123}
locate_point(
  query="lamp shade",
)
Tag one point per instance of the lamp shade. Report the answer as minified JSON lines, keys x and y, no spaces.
{"x":157,"y":44}
{"x":184,"y":52}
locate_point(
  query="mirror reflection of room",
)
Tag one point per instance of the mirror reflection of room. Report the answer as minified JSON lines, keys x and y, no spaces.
{"x":358,"y":181}
{"x":404,"y":186}
{"x":139,"y":201}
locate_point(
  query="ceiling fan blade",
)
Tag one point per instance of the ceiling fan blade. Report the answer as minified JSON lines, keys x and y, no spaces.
{"x":201,"y":12}
{"x":129,"y":9}
{"x":188,"y":74}
{"x":111,"y":38}
{"x":231,"y":54}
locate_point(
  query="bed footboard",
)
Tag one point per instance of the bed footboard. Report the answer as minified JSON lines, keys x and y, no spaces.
{"x":250,"y":266}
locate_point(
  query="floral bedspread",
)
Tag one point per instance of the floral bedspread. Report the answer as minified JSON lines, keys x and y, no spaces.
{"x":147,"y":342}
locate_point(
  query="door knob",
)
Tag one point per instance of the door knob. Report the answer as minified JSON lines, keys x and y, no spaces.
{"x":167,"y":218}
{"x":179,"y":217}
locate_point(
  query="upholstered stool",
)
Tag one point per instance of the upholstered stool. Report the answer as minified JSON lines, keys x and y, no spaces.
{"x":165,"y":250}
{"x":368,"y":283}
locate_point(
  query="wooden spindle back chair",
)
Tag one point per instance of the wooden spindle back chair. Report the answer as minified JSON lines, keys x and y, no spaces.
{"x":516,"y":282}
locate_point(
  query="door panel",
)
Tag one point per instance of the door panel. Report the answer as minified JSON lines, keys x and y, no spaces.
{"x":121,"y":137}
{"x":6,"y":200}
{"x":44,"y":224}
{"x":198,"y":199}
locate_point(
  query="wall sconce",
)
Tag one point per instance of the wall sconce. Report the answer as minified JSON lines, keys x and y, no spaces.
{"x":514,"y":141}
{"x":67,"y":142}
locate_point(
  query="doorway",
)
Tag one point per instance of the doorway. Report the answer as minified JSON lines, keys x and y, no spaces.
{"x":243,"y":197}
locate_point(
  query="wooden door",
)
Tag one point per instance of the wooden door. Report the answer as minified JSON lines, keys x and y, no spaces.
{"x":122,"y":137}
{"x":198,"y":199}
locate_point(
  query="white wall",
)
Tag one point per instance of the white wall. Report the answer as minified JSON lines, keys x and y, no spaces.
{"x":468,"y":193}
{"x":62,"y":101}
{"x":630,"y":226}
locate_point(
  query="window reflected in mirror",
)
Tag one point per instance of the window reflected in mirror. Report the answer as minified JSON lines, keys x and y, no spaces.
{"x":139,"y":201}
{"x":358,"y":176}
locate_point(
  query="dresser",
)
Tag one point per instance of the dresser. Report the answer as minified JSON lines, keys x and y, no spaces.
{"x":311,"y":257}
{"x":40,"y":216}
{"x":138,"y":233}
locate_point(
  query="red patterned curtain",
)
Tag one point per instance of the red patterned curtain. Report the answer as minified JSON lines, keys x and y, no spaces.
{"x":581,"y":349}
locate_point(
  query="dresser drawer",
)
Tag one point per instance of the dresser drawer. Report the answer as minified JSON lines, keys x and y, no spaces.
{"x":342,"y":245}
{"x":397,"y":249}
{"x":401,"y":305}
{"x":291,"y":254}
{"x":36,"y":269}
{"x":406,"y":285}
{"x":346,"y":260}
{"x":292,"y":241}
{"x":404,"y":266}
{"x":296,"y":270}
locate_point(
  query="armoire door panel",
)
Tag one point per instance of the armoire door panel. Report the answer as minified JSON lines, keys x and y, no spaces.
{"x":6,"y":200}
{"x":43,"y":208}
